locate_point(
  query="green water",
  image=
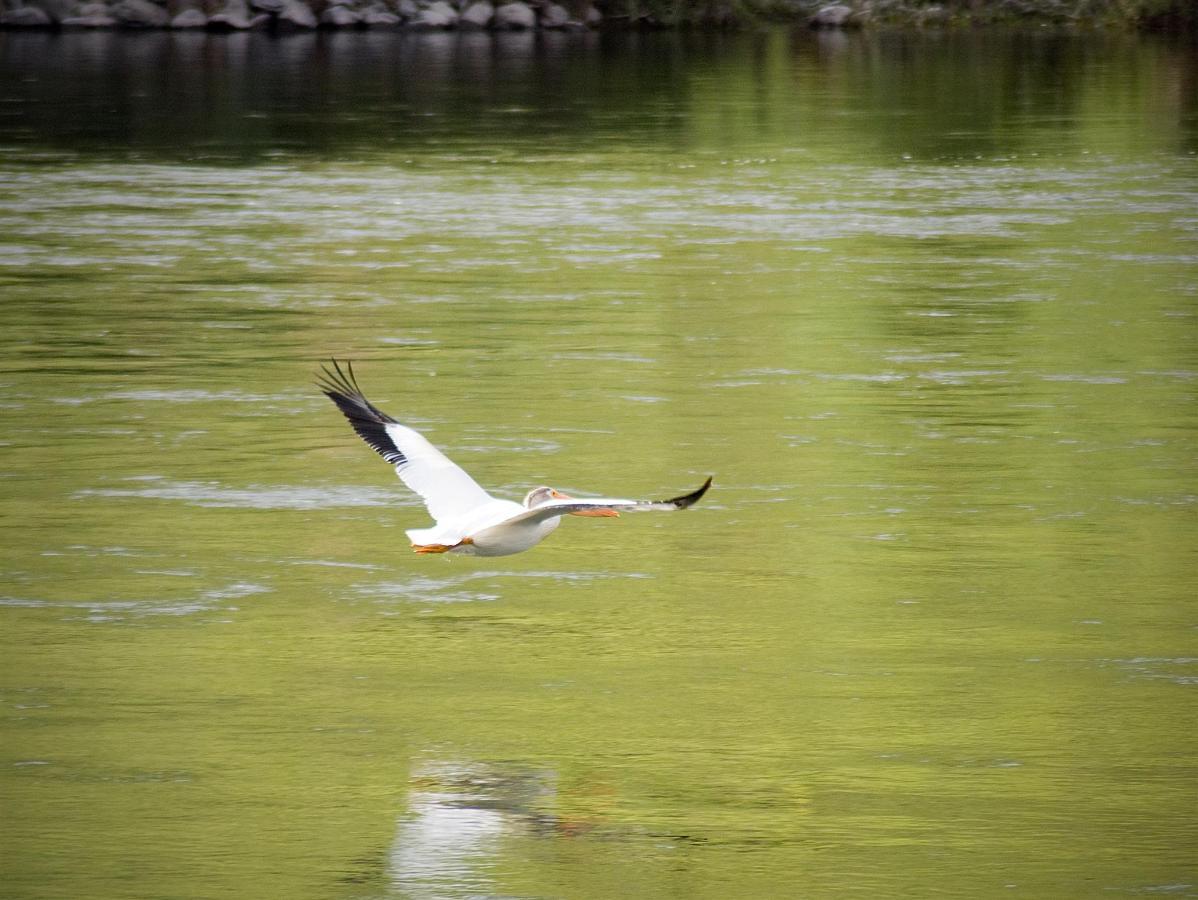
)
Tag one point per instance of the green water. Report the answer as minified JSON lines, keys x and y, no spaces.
{"x":924,"y":306}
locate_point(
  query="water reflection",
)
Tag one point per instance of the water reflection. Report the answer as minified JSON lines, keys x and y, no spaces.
{"x":459,"y":815}
{"x":473,"y":828}
{"x":248,"y":96}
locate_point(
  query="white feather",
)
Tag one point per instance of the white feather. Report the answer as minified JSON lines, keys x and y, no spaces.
{"x":447,"y":491}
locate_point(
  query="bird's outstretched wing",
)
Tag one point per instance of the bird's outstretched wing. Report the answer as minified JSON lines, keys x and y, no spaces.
{"x":587,"y":504}
{"x":446,"y":489}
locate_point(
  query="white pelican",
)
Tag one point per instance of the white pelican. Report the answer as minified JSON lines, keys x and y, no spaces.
{"x":469,"y":520}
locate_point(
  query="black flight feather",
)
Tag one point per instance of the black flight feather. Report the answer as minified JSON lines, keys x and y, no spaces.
{"x":690,"y":499}
{"x":367,"y":419}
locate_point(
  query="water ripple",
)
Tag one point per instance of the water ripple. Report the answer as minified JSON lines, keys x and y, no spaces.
{"x":212,"y":494}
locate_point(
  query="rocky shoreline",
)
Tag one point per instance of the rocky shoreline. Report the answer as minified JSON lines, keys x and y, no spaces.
{"x":568,"y":15}
{"x":298,"y":15}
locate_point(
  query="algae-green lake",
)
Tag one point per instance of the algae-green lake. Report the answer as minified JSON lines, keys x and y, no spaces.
{"x":923,"y":304}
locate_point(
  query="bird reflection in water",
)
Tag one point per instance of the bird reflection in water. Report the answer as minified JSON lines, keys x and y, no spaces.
{"x":458,"y":817}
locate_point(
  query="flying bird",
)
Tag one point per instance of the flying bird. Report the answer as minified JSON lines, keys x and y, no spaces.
{"x":468,"y":519}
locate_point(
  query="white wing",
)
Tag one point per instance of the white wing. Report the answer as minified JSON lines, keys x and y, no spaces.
{"x":572,"y":505}
{"x":448,"y":492}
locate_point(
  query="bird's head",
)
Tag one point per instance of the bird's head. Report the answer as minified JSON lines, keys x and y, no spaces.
{"x":541,"y":495}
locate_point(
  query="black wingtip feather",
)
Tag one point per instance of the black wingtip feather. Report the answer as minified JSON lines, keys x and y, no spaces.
{"x":367,"y":420}
{"x":692,"y":498}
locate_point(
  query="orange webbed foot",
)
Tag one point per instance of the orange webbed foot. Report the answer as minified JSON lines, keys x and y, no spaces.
{"x":440,"y":548}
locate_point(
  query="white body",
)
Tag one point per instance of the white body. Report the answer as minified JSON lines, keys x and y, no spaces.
{"x":506,"y":536}
{"x":494,"y":529}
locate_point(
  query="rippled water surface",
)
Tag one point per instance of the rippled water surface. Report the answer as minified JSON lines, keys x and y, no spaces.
{"x":924,"y":306}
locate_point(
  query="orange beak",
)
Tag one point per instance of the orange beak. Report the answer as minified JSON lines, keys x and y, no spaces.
{"x":589,"y":513}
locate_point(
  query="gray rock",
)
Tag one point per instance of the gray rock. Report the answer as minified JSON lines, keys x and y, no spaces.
{"x":270,"y":6}
{"x":296,"y":14}
{"x":378,"y":16}
{"x":58,"y":9}
{"x":477,"y":15}
{"x":89,"y":15}
{"x":235,"y":14}
{"x":339,"y":17}
{"x":140,"y":14}
{"x":26,"y":17}
{"x":407,"y":9}
{"x":554,"y":15}
{"x":88,"y":22}
{"x":437,"y":15}
{"x":593,"y":17}
{"x":515,"y":16}
{"x":190,"y":18}
{"x":836,"y":16}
